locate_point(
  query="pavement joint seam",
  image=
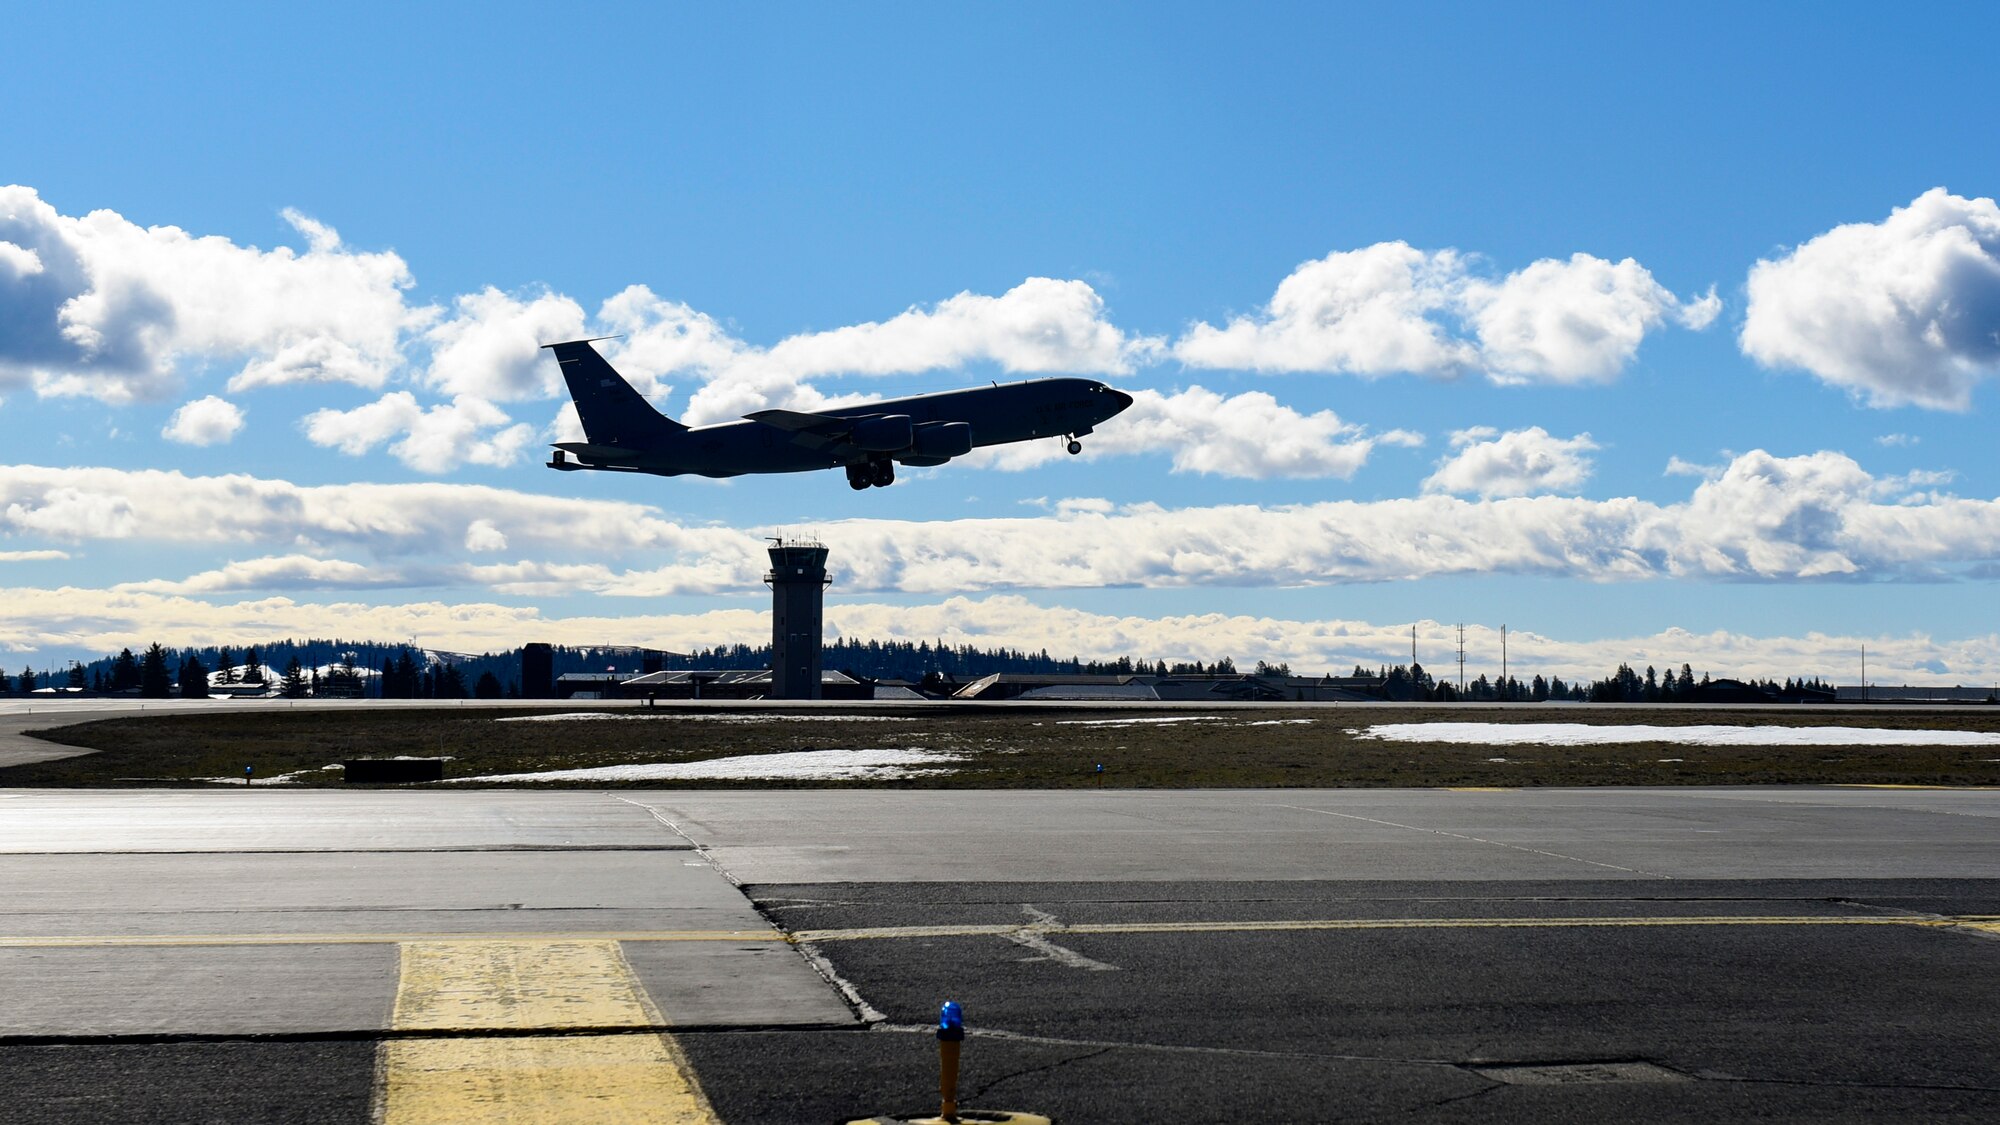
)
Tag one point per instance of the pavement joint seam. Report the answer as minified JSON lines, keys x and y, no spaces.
{"x":1987,"y":925}
{"x":1476,"y":840}
{"x":389,"y":1034}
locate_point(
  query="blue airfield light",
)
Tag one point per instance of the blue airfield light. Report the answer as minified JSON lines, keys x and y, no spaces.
{"x":951,"y":1021}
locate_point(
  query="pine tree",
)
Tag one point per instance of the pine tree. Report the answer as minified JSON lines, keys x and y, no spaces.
{"x":194,"y":678}
{"x":27,"y":681}
{"x":125,"y":671}
{"x":406,"y":685}
{"x":253,"y":666}
{"x":226,"y":664}
{"x":293,"y":686}
{"x":488,"y":686}
{"x":76,"y":676}
{"x":154,"y":681}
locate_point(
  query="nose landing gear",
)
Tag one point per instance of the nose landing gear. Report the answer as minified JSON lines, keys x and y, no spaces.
{"x":1075,"y":447}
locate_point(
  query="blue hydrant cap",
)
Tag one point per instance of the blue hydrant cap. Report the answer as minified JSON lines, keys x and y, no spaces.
{"x":951,"y":1021}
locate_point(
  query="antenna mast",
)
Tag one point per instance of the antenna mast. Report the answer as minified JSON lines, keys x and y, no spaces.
{"x":1461,"y":660}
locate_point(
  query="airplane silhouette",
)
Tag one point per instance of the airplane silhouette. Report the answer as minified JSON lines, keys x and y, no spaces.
{"x":625,"y":434}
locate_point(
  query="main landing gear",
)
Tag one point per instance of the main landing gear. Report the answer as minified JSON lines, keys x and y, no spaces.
{"x":871,"y":474}
{"x":1075,"y":447}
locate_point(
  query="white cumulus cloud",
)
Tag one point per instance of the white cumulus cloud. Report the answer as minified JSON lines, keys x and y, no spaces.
{"x":1574,"y":321}
{"x":100,"y":306}
{"x":490,"y":347}
{"x":287,"y":572}
{"x":433,"y":439}
{"x":1391,"y":308}
{"x":1901,"y":312}
{"x":205,"y":421}
{"x":1248,"y":435}
{"x":1040,"y":326}
{"x":1516,"y":463}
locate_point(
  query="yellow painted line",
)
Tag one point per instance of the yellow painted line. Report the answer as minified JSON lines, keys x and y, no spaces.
{"x":874,"y":933}
{"x":61,"y":941}
{"x":896,"y":932}
{"x":531,"y":985}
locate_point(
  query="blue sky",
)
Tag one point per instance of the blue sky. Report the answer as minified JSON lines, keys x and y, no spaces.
{"x":1567,"y":187}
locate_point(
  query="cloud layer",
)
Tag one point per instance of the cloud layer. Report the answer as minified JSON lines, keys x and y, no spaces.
{"x":1760,"y":518}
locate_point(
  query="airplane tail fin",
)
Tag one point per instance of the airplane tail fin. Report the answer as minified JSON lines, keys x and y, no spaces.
{"x":611,"y":411}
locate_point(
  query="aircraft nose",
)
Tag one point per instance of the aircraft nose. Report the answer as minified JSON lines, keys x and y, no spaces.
{"x":1119,"y":400}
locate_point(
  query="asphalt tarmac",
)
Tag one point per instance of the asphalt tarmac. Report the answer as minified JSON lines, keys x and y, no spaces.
{"x":1121,"y":956}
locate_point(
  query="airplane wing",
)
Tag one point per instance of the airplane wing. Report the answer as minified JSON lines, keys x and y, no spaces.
{"x":826,"y":432}
{"x":801,"y":422}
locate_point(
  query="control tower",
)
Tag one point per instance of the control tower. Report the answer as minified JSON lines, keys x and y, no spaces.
{"x":798,"y":582}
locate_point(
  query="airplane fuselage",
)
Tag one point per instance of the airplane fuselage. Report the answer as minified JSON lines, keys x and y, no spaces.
{"x":997,"y":415}
{"x":624,"y":433}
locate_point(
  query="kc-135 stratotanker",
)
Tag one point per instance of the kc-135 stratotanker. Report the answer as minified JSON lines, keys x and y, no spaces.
{"x":625,"y":434}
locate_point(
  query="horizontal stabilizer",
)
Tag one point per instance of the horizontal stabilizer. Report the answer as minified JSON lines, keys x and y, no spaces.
{"x":598,"y":452}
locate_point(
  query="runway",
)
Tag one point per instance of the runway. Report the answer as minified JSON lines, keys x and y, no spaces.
{"x":1651,"y":954}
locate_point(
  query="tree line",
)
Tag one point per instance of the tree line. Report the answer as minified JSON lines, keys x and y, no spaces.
{"x":293,"y":669}
{"x":315,"y":667}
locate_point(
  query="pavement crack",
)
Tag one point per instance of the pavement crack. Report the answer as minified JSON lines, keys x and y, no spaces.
{"x":1830,"y":1084}
{"x":986,"y":1087}
{"x":1432,"y":1106}
{"x":1172,"y":1048}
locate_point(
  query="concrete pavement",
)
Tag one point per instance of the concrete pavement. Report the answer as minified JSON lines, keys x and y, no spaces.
{"x":1122,"y":955}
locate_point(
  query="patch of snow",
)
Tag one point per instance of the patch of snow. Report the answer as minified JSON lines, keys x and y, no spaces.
{"x":793,"y":765}
{"x":275,"y":779}
{"x":1586,"y":734}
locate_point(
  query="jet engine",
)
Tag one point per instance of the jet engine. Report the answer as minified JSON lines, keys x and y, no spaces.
{"x":883,"y":434}
{"x":942,"y":439}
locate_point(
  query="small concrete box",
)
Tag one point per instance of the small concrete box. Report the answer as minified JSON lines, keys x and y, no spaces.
{"x":392,"y":771}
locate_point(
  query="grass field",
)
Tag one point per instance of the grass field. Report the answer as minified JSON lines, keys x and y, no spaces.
{"x":1024,"y":749}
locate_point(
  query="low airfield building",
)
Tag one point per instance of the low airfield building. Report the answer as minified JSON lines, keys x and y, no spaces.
{"x":1236,"y":688}
{"x":733,"y":684}
{"x":1905,"y":693}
